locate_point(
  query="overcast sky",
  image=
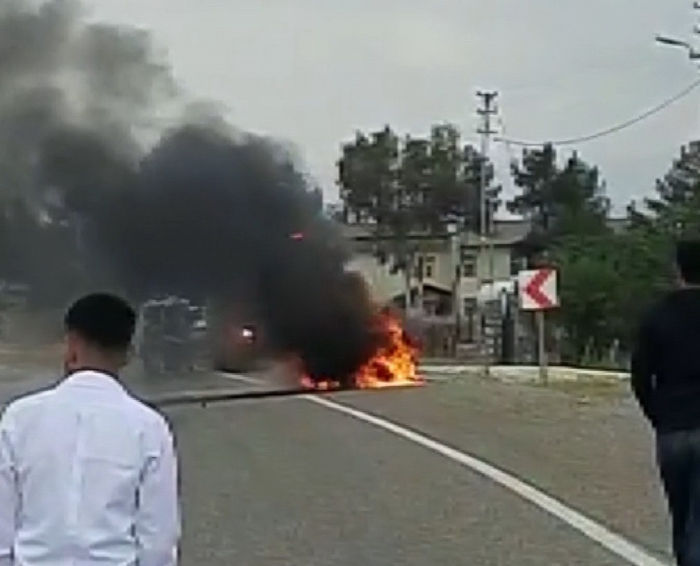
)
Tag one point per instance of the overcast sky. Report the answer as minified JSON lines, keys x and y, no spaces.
{"x":314,"y":71}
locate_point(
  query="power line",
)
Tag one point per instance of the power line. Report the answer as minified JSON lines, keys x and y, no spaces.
{"x":507,"y":150}
{"x":614,"y":129}
{"x":505,"y":140}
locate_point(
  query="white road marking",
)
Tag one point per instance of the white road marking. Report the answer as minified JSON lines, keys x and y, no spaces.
{"x":617,"y":544}
{"x":239,"y":377}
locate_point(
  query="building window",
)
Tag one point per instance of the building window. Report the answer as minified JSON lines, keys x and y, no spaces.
{"x":517,"y":264}
{"x":429,"y":267}
{"x":468,"y":264}
{"x":469,"y":307}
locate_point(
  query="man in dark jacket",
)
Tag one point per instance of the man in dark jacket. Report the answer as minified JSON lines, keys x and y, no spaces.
{"x":666,"y":382}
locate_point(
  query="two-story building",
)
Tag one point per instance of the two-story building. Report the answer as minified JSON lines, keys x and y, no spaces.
{"x":453,"y":266}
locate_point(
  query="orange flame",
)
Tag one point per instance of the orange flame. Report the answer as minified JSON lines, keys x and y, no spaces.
{"x":394,"y":364}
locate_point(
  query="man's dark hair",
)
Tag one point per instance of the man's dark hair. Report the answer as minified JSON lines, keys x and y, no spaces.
{"x":105,"y":320}
{"x":688,"y":261}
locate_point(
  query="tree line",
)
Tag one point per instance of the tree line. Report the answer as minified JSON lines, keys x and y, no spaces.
{"x":609,"y":269}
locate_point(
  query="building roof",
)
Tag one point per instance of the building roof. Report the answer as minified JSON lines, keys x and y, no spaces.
{"x":506,"y":232}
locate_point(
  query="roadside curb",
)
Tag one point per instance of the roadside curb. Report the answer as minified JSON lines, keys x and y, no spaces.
{"x":518,"y":374}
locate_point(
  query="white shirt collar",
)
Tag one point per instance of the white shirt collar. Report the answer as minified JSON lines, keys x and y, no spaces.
{"x":92,"y":379}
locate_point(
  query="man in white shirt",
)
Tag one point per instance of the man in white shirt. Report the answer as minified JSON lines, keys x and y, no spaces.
{"x":88,"y":474}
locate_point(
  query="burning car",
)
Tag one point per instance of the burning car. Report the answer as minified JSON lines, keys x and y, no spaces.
{"x":175,"y":335}
{"x":394,"y":364}
{"x":236,"y":342}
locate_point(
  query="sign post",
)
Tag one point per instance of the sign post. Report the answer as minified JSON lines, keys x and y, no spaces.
{"x":541,"y":350}
{"x":538,"y":293}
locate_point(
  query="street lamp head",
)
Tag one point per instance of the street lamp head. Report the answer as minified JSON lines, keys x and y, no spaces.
{"x":663,"y":40}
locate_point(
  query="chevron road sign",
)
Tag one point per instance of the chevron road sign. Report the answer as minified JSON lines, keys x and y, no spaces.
{"x":538,"y":289}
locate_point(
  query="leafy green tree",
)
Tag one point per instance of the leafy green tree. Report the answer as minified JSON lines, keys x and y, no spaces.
{"x":369,"y":176}
{"x":414,"y":183}
{"x":589,"y":290}
{"x":581,"y":205}
{"x":645,"y":272}
{"x":568,"y":210}
{"x":456,"y":181}
{"x":409,"y":187}
{"x":366,"y":175}
{"x":535,"y":176}
{"x":559,"y":200}
{"x":645,"y":248}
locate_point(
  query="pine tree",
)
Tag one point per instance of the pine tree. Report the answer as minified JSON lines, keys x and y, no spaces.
{"x":675,"y":210}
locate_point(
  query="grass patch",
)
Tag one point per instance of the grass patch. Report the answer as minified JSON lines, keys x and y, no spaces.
{"x":590,"y":388}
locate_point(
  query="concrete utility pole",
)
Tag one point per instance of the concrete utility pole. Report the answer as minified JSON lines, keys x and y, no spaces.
{"x":485,"y":112}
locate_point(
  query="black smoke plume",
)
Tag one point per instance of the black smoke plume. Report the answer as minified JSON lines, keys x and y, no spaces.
{"x":207,"y":216}
{"x":204,"y":213}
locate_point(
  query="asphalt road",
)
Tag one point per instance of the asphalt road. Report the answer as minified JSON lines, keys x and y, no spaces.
{"x":288,"y":481}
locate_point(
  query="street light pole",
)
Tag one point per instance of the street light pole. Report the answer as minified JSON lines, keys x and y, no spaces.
{"x":693,"y":53}
{"x":453,"y":232}
{"x":664,"y":40}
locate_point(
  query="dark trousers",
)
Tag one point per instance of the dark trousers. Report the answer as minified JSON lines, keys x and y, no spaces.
{"x":678,"y":456}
